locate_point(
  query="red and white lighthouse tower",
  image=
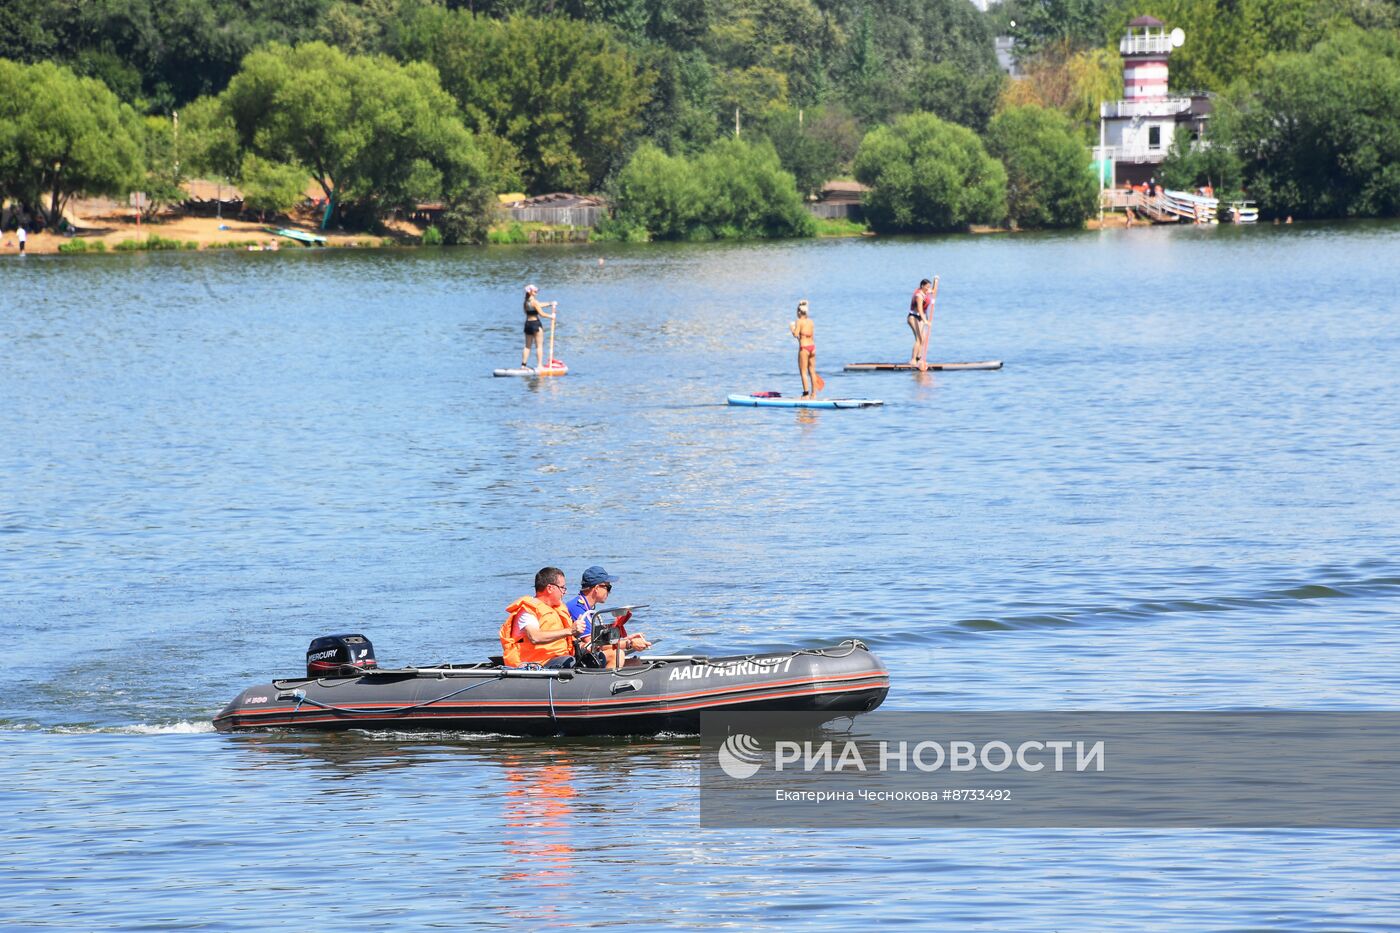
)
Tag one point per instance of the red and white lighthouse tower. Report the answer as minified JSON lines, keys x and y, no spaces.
{"x":1145,"y":48}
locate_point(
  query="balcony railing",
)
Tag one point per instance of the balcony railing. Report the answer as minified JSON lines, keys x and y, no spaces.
{"x":1166,"y":107}
{"x":1130,"y":153}
{"x":1154,"y":43}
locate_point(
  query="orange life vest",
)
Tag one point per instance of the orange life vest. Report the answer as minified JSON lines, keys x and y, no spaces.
{"x":519,"y":650}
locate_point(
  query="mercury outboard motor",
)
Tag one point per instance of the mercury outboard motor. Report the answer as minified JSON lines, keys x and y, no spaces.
{"x":331,"y":655}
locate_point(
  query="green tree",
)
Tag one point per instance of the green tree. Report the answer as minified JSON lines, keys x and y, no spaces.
{"x":747,"y":194}
{"x":929,"y":175}
{"x":891,"y":42}
{"x":804,"y":148}
{"x":568,"y":95}
{"x":1049,"y":182}
{"x":658,"y":193}
{"x":209,"y":145}
{"x":955,"y":94}
{"x":1076,"y":25}
{"x":372,"y":132}
{"x":1191,"y":163}
{"x":735,"y":189}
{"x":271,"y":186}
{"x":1074,"y":83}
{"x":165,"y":52}
{"x":29,"y":30}
{"x":791,"y":38}
{"x":164,"y":171}
{"x":468,"y":217}
{"x":681,"y":116}
{"x":754,"y":92}
{"x":1318,"y":133}
{"x":60,"y":135}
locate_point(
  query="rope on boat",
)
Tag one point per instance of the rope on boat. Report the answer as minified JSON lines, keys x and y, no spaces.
{"x":303,"y":698}
{"x":852,"y":645}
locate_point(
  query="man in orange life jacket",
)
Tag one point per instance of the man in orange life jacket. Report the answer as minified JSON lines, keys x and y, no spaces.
{"x":537,"y":629}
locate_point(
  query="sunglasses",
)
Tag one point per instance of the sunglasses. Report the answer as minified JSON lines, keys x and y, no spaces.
{"x":606,"y":586}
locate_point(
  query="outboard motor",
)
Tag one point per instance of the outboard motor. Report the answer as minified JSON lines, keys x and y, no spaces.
{"x":331,"y":655}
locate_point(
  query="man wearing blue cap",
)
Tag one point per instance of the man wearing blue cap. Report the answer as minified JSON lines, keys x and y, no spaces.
{"x":594,"y":590}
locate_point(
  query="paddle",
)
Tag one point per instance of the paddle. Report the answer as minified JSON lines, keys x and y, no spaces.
{"x":550,"y":363}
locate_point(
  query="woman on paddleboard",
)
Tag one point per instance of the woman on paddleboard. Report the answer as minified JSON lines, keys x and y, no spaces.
{"x":921,"y":319}
{"x":803,"y":329}
{"x":534,"y":310}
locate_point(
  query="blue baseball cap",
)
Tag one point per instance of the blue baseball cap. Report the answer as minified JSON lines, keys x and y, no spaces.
{"x":595,"y":575}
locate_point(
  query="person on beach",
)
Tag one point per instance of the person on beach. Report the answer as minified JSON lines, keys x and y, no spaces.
{"x":920,"y":319}
{"x":803,"y":330}
{"x":534,"y":310}
{"x":23,"y":236}
{"x":537,"y":629}
{"x":594,"y":590}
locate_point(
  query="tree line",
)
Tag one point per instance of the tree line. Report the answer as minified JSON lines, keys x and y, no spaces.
{"x":384,"y":102}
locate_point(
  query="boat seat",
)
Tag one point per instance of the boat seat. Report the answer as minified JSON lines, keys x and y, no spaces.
{"x":496,"y":660}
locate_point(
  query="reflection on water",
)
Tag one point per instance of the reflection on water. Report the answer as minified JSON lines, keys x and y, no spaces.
{"x":1172,"y":497}
{"x":540,"y":817}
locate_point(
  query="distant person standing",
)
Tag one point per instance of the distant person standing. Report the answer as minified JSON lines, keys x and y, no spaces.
{"x":805,"y":331}
{"x":534,"y":310}
{"x":921,"y":319}
{"x":23,"y":236}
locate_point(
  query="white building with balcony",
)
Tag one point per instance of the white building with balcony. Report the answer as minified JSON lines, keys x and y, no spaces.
{"x":1136,"y":132}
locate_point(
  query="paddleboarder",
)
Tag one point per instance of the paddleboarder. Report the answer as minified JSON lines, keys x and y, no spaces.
{"x":920,"y":320}
{"x":803,"y":330}
{"x":534,"y":310}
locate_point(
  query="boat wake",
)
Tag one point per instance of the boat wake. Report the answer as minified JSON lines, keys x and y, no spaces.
{"x":1278,"y":597}
{"x":184,"y":727}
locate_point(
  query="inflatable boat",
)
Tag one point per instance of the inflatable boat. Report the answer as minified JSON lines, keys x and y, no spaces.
{"x":645,"y":696}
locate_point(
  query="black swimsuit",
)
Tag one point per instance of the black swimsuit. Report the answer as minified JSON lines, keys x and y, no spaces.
{"x":532,"y":320}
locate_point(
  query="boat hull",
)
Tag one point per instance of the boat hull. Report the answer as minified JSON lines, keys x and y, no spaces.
{"x":643,"y":698}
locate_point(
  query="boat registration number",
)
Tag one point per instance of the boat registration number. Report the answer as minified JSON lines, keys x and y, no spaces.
{"x":742,"y":669}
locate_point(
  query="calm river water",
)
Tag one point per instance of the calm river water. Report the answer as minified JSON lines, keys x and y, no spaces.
{"x":1182,"y":492}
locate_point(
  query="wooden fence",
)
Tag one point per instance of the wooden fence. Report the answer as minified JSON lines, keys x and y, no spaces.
{"x":584,"y":216}
{"x":836,"y":210}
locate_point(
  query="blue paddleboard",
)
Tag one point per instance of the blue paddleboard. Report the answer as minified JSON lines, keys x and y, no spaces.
{"x":758,"y":401}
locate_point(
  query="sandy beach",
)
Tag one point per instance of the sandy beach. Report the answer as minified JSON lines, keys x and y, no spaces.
{"x":109,"y":223}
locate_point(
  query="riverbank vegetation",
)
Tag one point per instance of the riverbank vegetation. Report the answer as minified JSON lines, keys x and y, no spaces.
{"x":388,"y":104}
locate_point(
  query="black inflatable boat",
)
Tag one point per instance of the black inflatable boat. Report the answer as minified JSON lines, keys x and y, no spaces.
{"x":648,"y":695}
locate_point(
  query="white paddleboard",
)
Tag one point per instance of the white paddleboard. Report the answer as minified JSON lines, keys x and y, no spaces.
{"x":555,"y":368}
{"x":760,"y":401}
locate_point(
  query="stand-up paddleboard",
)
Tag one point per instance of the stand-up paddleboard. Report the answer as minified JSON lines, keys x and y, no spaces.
{"x":777,"y":401}
{"x":907,"y":367}
{"x":555,"y":368}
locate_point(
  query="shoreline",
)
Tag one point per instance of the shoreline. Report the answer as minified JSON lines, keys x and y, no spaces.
{"x":187,"y":233}
{"x":184,"y":233}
